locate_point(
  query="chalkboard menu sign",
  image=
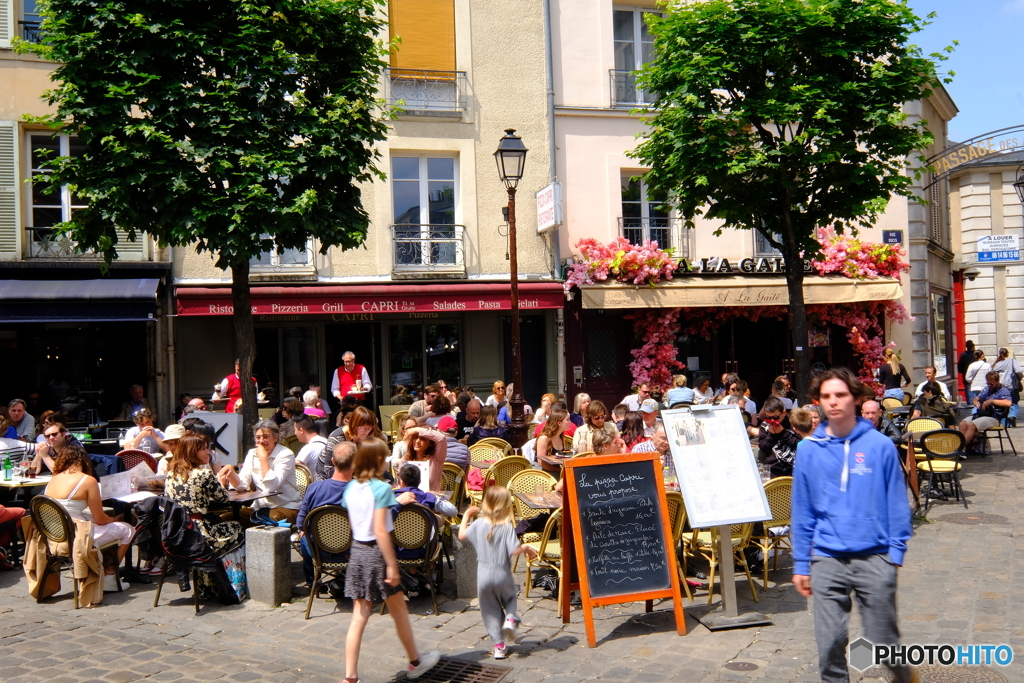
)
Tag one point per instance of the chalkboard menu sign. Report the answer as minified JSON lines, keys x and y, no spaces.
{"x":616,"y":527}
{"x":622,"y":528}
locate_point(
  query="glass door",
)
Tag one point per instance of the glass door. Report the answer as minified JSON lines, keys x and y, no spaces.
{"x":419,"y":355}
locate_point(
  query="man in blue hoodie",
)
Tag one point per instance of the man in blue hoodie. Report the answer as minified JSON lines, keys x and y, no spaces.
{"x":851,"y":522}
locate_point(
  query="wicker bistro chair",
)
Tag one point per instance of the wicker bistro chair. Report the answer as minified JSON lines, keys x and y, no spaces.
{"x":485,"y":453}
{"x":501,"y":472}
{"x":454,"y":479}
{"x":779,"y":492}
{"x":303,"y":478}
{"x":999,"y":430}
{"x":55,"y":524}
{"x":528,"y":481}
{"x":416,"y":529}
{"x":705,"y":542}
{"x":133,"y":457}
{"x":505,"y":446}
{"x":890,"y":402}
{"x":677,"y":520}
{"x":549,"y":551}
{"x":328,"y":532}
{"x":292,"y":443}
{"x":397,"y":418}
{"x":942,"y":449}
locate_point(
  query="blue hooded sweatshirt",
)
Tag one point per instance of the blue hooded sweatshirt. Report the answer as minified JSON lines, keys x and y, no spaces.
{"x":849,"y":497}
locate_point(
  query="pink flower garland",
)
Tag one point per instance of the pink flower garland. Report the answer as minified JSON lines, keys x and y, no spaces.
{"x":656,"y":358}
{"x":859,"y":260}
{"x":626,"y":262}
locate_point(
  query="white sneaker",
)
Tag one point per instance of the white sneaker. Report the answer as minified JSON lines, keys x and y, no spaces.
{"x":110,"y":584}
{"x":509,"y":628}
{"x":427,"y":662}
{"x":500,"y":651}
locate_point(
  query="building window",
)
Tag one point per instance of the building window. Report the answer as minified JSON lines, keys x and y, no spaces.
{"x":941,"y":335}
{"x":763,"y":248}
{"x":634,"y":47}
{"x":422,"y":79}
{"x":424,"y":197}
{"x":646,"y":217}
{"x":47,"y":210}
{"x":283,"y":259}
{"x":30,"y":21}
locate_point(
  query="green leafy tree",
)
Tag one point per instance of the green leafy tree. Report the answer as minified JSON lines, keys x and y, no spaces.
{"x":237,"y":127}
{"x":784,"y":116}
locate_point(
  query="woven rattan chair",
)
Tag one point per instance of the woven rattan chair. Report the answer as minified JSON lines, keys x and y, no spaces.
{"x":919,"y":426}
{"x":705,"y":542}
{"x":485,"y":453}
{"x":779,"y":492}
{"x":890,"y":402}
{"x":52,"y":520}
{"x":328,"y":532}
{"x":549,"y":551}
{"x":454,"y":479}
{"x":292,"y":443}
{"x":266,"y":413}
{"x":908,"y":398}
{"x":132,"y":457}
{"x":501,"y":472}
{"x":677,"y":521}
{"x":505,"y":446}
{"x":999,"y":430}
{"x":584,"y":454}
{"x":397,"y":418}
{"x":303,"y":478}
{"x":942,"y":449}
{"x":528,"y":481}
{"x":416,"y":529}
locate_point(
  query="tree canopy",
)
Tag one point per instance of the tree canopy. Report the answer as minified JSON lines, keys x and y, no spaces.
{"x":785,"y":116}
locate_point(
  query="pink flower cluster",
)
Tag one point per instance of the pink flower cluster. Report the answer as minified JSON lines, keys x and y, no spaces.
{"x":626,"y":262}
{"x":859,"y":260}
{"x":656,"y":359}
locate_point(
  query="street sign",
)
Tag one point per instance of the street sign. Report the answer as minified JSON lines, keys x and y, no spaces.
{"x":995,"y":248}
{"x":892,"y":237}
{"x":549,"y":207}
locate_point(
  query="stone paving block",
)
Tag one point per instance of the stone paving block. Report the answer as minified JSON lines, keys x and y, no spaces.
{"x":122,"y":676}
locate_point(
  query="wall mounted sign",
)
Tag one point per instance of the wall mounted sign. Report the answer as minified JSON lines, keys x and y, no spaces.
{"x":996,"y":248}
{"x":892,"y":237}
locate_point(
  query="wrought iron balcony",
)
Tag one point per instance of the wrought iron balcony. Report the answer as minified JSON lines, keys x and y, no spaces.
{"x":31,"y":31}
{"x":426,"y":93}
{"x":47,"y":243}
{"x":625,"y":93}
{"x":669,"y":233}
{"x":422,"y":251}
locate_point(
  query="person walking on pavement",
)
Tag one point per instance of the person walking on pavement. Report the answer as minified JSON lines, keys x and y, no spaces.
{"x":966,"y":358}
{"x":851,"y":523}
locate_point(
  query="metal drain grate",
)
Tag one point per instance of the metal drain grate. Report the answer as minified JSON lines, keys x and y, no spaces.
{"x":934,"y":673}
{"x":974,"y":518}
{"x":450,"y":670}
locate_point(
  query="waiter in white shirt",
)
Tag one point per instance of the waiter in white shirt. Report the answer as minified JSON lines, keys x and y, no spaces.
{"x":351,"y":379}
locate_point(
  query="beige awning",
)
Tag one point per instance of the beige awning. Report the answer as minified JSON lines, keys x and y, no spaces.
{"x":735,"y":290}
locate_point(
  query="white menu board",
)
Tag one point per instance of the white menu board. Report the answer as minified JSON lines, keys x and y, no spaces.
{"x":715,"y":466}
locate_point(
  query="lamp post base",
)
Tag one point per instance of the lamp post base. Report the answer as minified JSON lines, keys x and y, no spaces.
{"x":717,"y":620}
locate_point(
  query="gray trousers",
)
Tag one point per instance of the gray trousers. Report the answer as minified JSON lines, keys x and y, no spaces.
{"x":872,"y":579}
{"x":498,"y":593}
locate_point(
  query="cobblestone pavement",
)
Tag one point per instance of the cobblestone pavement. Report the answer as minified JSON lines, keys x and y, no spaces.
{"x":960,"y":585}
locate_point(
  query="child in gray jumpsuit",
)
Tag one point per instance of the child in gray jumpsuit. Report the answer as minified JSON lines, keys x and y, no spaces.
{"x":494,"y":538}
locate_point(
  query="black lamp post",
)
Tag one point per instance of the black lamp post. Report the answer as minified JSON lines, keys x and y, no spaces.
{"x":1019,"y":185}
{"x":511,"y":159}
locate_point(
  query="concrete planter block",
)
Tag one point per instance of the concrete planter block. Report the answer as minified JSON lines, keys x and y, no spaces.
{"x":268,"y":564}
{"x":465,"y":567}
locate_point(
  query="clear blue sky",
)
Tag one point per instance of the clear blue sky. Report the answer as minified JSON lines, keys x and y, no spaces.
{"x":988,"y":85}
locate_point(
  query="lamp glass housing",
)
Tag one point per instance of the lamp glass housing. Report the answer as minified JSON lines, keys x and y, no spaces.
{"x":510,"y":158}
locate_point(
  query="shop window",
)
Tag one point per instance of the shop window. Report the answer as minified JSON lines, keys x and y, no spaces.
{"x":633,"y":47}
{"x":424,"y":200}
{"x":941,"y":334}
{"x":423,"y":354}
{"x":646,"y":216}
{"x":47,"y":210}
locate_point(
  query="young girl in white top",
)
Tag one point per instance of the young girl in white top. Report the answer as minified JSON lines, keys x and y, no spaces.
{"x":372,"y":573}
{"x":494,"y":537}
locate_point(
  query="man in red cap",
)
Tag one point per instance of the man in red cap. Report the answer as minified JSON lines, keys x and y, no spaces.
{"x":458,"y":452}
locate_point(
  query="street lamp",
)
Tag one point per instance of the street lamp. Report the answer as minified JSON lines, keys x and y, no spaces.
{"x":511,"y":159}
{"x":1019,"y":185}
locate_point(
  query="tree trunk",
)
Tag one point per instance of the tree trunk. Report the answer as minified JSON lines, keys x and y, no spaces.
{"x":797,"y":310}
{"x":245,"y":349}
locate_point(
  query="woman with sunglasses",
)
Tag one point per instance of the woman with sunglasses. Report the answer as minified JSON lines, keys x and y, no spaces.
{"x":596,"y":420}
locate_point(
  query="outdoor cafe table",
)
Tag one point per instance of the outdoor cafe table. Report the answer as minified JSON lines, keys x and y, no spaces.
{"x":548,"y":500}
{"x":552,"y":463}
{"x":239,"y":498}
{"x":15,"y":485}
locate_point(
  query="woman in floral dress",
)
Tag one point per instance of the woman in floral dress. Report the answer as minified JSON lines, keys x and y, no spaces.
{"x":193,"y":485}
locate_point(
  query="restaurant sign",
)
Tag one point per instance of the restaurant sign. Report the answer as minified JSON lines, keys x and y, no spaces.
{"x":283,"y":304}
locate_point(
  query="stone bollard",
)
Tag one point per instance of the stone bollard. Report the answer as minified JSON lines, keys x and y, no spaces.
{"x":465,"y":566}
{"x":268,"y":564}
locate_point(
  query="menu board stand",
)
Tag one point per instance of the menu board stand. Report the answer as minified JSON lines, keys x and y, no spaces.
{"x":617,"y":538}
{"x":721,"y":486}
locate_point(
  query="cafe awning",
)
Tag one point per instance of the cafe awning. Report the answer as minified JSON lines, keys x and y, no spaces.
{"x":107,"y":300}
{"x":362,"y":299}
{"x":737,"y":290}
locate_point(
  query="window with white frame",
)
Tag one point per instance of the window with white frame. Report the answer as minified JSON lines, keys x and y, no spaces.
{"x":633,"y":48}
{"x":48,"y":209}
{"x":277,"y":259}
{"x":763,"y":248}
{"x":30,"y":21}
{"x":645,"y":215}
{"x":424,"y":201}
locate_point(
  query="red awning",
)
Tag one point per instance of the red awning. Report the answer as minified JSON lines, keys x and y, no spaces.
{"x":403,"y":298}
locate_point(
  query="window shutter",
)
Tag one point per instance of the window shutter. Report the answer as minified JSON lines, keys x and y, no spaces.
{"x":9,"y":222}
{"x":128,"y":250}
{"x":7,"y":22}
{"x":427,"y":32}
